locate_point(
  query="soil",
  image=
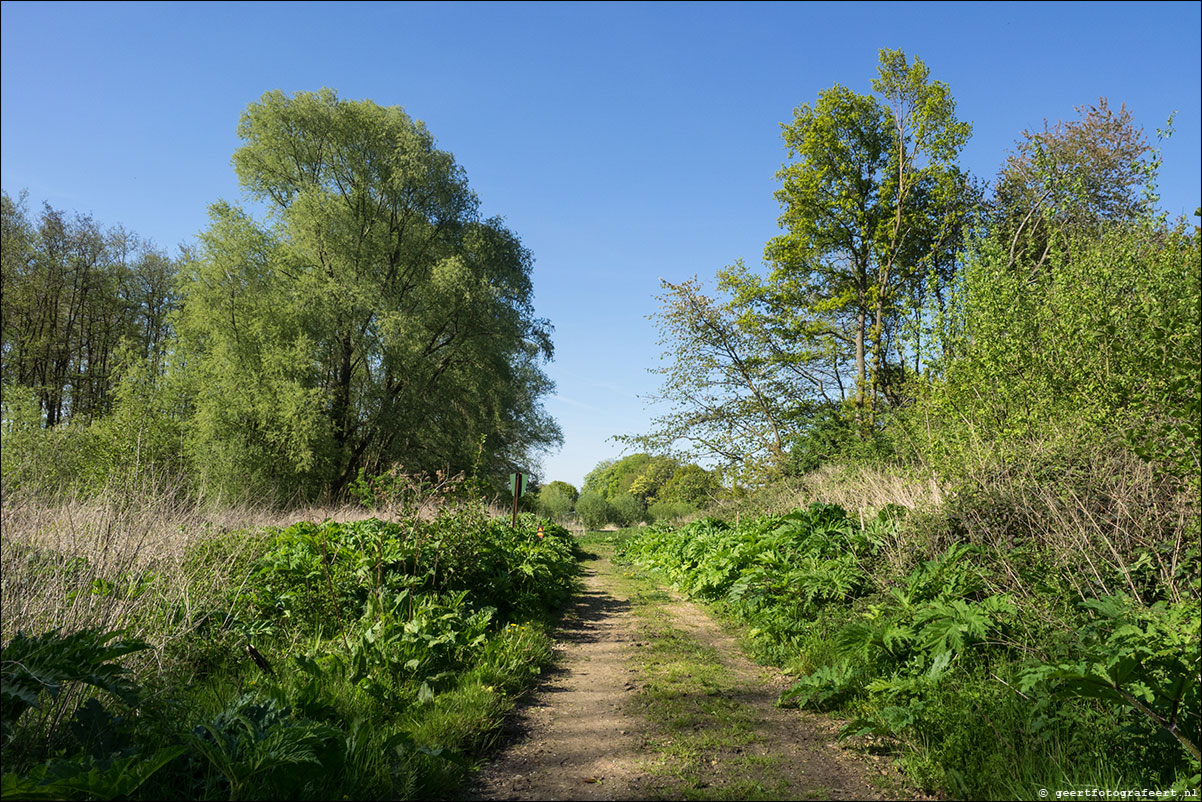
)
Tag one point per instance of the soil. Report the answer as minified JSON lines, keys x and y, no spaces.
{"x":582,"y":735}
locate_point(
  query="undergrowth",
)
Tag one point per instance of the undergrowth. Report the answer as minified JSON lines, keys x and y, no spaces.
{"x":364,"y":659}
{"x":981,"y":665}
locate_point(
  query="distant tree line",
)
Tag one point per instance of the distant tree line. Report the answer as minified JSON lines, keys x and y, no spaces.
{"x":371,"y":318}
{"x":78,"y":300}
{"x":636,"y":488}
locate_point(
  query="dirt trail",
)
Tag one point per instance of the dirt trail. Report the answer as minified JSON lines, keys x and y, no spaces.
{"x":583,"y":735}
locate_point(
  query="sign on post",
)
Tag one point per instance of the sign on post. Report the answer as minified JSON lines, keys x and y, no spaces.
{"x":518,"y":482}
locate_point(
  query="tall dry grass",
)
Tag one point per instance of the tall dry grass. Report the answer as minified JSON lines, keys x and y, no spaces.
{"x":1104,"y":518}
{"x":1110,"y":521}
{"x":861,"y":489}
{"x":126,"y":557}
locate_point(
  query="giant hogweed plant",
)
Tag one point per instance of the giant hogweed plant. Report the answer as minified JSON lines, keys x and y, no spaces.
{"x":946,"y":654}
{"x":1145,"y":659}
{"x":399,"y":622}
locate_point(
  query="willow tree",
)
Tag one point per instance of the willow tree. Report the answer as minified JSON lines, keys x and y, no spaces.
{"x":373,"y":318}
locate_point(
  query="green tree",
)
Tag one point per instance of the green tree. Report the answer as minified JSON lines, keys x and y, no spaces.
{"x":690,"y":484}
{"x":638,"y":475}
{"x":872,"y":202}
{"x":1076,"y":175}
{"x":74,"y":296}
{"x":374,"y":318}
{"x":627,"y":509}
{"x":1101,"y":341}
{"x":726,"y":397}
{"x":593,"y":509}
{"x":555,"y":500}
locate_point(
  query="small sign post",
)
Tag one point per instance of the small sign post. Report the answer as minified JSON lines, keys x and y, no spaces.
{"x":518,"y":482}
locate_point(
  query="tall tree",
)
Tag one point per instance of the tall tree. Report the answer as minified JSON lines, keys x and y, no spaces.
{"x":397,"y":324}
{"x":75,"y":296}
{"x":832,"y":212}
{"x":1074,"y":176}
{"x":924,"y":186}
{"x":871,"y":200}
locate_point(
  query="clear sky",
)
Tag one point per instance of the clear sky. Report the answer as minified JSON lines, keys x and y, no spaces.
{"x":622,"y":142}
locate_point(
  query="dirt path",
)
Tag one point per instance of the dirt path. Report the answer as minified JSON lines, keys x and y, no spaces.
{"x":621,"y":717}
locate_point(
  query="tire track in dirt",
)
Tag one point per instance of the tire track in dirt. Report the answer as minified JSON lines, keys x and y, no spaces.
{"x":580,"y":735}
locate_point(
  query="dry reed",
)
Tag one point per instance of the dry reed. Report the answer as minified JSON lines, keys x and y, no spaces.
{"x":120,"y":558}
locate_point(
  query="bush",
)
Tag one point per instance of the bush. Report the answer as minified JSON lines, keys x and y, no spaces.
{"x":555,"y":500}
{"x":669,"y":510}
{"x":627,"y":510}
{"x":594,"y":510}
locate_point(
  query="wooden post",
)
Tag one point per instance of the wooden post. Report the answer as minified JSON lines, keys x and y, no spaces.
{"x":517,"y":486}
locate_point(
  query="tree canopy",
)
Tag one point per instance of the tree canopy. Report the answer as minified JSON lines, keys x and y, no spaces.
{"x":371,"y":318}
{"x":873,"y":207}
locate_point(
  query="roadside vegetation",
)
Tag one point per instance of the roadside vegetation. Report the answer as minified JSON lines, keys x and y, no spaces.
{"x":370,"y":658}
{"x":987,"y":669}
{"x":959,"y":433}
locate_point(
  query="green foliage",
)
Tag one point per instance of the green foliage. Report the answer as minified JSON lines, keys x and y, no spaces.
{"x":825,"y":434}
{"x":321,"y":576}
{"x":1102,"y":336}
{"x":627,"y":509}
{"x":872,"y":204}
{"x":1074,"y":177}
{"x":376,"y":320}
{"x":669,"y":510}
{"x":74,"y":296}
{"x":729,"y":402}
{"x":611,"y":478}
{"x":378,"y":655}
{"x":593,"y":509}
{"x":633,"y":485}
{"x":253,"y":740}
{"x":556,"y":500}
{"x":45,"y":663}
{"x":1143,"y":659}
{"x":373,"y":318}
{"x":814,"y":353}
{"x":926,"y":654}
{"x":689,"y":484}
{"x":87,"y":777}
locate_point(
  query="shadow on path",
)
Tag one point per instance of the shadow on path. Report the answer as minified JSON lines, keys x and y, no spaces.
{"x":572,"y":739}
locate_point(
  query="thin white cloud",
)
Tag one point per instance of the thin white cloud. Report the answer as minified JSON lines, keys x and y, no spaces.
{"x":573,"y":402}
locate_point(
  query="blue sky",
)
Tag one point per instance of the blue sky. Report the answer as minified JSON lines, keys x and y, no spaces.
{"x":622,"y":142}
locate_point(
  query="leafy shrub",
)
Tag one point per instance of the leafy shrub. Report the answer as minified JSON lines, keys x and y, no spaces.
{"x":934,"y":655}
{"x":627,"y":509}
{"x":555,"y":500}
{"x":1146,"y":660}
{"x":670,"y":510}
{"x":594,"y":510}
